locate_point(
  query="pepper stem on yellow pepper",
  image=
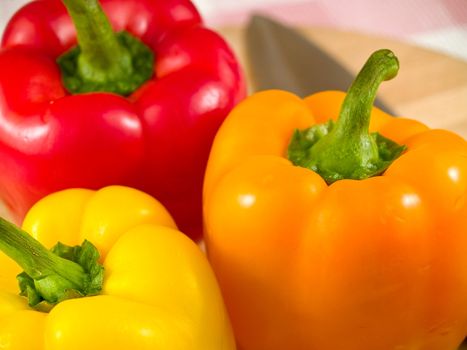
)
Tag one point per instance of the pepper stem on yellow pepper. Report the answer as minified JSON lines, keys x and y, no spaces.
{"x":346,"y":149}
{"x":104,"y":60}
{"x":51,"y":276}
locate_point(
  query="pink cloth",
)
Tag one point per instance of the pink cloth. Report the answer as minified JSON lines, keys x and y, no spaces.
{"x":438,"y":24}
{"x":394,"y":18}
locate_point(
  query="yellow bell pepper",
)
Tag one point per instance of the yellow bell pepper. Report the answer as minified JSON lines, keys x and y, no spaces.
{"x":158,"y":291}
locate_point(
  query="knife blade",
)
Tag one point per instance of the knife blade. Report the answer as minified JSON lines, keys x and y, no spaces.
{"x":282,"y":58}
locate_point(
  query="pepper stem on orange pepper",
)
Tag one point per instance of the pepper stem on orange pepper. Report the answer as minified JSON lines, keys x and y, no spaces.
{"x":51,"y":276}
{"x":104,"y":60}
{"x":346,"y":149}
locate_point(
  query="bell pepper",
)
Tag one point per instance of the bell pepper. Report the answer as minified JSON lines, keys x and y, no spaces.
{"x":136,"y":283}
{"x":138,"y":107}
{"x":326,"y":236}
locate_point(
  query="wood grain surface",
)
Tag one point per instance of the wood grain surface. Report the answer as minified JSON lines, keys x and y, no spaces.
{"x":430,"y":87}
{"x":4,"y":213}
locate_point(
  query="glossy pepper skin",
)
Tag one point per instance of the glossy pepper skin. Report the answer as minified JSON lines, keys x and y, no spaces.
{"x":157,"y":139}
{"x":379,"y":263}
{"x":159,"y":291}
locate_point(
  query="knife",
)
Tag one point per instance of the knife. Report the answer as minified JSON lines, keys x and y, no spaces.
{"x":282,"y":58}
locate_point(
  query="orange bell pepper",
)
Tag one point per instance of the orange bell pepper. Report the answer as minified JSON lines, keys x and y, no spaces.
{"x":373,"y":257}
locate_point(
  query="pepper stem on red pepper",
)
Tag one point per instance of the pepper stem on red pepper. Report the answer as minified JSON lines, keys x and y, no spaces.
{"x":103,"y":60}
{"x":346,"y":149}
{"x":51,"y":276}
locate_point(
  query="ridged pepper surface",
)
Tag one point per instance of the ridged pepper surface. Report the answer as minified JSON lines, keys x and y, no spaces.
{"x":135,"y":283}
{"x":138,"y":108}
{"x":324,"y":236}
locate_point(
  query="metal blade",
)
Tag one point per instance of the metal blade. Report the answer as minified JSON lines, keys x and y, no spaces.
{"x":282,"y":58}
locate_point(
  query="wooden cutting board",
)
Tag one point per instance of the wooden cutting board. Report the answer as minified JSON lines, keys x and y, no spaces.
{"x":430,"y":87}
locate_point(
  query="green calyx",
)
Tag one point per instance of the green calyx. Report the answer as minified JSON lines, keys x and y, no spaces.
{"x":345,"y":149}
{"x":103,"y":60}
{"x":51,"y":276}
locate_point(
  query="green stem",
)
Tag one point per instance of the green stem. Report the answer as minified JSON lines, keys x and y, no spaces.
{"x":47,"y":276}
{"x":346,"y":149}
{"x":100,"y":50}
{"x":104,"y":60}
{"x":354,"y":117}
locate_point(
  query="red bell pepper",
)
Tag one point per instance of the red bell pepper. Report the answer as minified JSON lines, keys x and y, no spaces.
{"x":116,"y":110}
